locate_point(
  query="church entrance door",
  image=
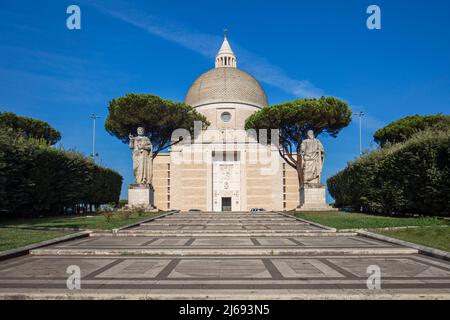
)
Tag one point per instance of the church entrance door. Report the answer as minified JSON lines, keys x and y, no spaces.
{"x":226,"y":204}
{"x":226,"y":181}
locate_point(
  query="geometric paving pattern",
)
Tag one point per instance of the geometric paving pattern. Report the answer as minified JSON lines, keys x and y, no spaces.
{"x":193,"y":272}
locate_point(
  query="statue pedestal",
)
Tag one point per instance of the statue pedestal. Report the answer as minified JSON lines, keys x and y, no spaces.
{"x":141,"y":196}
{"x":312,"y":198}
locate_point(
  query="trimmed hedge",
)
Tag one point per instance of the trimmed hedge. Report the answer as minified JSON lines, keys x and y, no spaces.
{"x":412,"y":177}
{"x":38,"y":179}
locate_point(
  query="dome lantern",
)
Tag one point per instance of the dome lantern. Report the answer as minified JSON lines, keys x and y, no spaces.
{"x":225,"y":57}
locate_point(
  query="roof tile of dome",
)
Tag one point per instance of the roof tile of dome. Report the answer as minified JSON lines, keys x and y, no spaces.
{"x":226,"y":85}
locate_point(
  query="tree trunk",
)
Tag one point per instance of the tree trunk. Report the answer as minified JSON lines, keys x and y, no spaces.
{"x":299,"y":168}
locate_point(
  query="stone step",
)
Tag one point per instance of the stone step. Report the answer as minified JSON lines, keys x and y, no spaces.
{"x":279,"y":218}
{"x":250,"y":216}
{"x":226,"y":217}
{"x":194,"y":234}
{"x":225,"y":252}
{"x":226,"y":212}
{"x":155,"y":223}
{"x":237,"y":227}
{"x":218,"y":232}
{"x":221,"y":222}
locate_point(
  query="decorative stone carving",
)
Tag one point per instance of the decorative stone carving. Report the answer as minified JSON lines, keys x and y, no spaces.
{"x":313,"y":157}
{"x":226,"y":183}
{"x":142,"y":157}
{"x":312,"y":193}
{"x":141,"y":194}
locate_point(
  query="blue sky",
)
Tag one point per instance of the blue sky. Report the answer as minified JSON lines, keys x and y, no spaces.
{"x":295,"y":48}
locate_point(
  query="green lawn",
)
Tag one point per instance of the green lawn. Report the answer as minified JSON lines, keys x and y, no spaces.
{"x":82,"y":222}
{"x":346,"y":220}
{"x":15,"y":238}
{"x":432,"y":232}
{"x":436,"y":236}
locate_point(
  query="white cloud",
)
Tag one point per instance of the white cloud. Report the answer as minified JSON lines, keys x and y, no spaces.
{"x":207,"y":45}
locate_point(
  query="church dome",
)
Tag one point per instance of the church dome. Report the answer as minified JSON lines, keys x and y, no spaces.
{"x":221,"y":85}
{"x":226,"y":84}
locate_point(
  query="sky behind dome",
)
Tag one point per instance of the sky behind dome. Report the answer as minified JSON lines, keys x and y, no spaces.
{"x":294,"y":48}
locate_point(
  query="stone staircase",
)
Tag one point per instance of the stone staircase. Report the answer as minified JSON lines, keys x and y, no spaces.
{"x":229,"y":234}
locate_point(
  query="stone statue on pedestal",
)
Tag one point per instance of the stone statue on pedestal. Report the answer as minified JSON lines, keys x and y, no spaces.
{"x":141,"y":194}
{"x":312,"y":192}
{"x":142,"y":157}
{"x":313,"y":157}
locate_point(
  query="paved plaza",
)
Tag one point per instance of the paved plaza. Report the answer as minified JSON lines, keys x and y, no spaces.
{"x":225,"y":255}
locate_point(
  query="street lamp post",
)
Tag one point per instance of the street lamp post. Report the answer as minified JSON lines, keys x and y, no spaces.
{"x":94,"y":117}
{"x":360,"y":115}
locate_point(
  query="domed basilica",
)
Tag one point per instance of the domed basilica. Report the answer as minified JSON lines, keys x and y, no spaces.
{"x":224,"y":168}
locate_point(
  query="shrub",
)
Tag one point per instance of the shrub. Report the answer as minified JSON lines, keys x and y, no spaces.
{"x":122,"y":203}
{"x":38,"y":179}
{"x":108,"y":215}
{"x":125,"y":214}
{"x":412,"y":177}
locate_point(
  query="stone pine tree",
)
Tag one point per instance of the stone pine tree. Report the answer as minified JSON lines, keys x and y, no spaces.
{"x":403,"y":129}
{"x":29,"y":127}
{"x":159,"y":117}
{"x":326,"y":115}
